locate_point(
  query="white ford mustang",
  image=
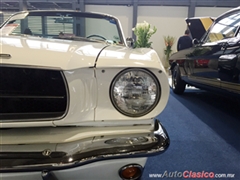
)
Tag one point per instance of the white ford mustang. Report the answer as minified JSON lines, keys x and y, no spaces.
{"x":75,"y":101}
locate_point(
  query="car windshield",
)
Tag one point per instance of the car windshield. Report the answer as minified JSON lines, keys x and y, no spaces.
{"x":65,"y":25}
{"x":226,"y":27}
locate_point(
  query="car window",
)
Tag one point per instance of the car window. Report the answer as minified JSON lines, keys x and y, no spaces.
{"x":224,"y":28}
{"x":66,"y":26}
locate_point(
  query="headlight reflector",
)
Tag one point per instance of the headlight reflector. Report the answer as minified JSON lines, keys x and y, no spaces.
{"x":135,"y":92}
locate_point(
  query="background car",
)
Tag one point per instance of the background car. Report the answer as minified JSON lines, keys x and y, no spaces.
{"x":213,"y":63}
{"x":75,"y":101}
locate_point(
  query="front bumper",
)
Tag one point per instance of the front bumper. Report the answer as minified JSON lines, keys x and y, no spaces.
{"x":71,"y":147}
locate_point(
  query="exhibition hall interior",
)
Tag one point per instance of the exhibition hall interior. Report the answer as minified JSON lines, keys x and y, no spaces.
{"x":119,"y":89}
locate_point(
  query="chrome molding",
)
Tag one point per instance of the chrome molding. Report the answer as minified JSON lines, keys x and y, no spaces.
{"x":5,"y":56}
{"x":64,"y":155}
{"x":30,"y":66}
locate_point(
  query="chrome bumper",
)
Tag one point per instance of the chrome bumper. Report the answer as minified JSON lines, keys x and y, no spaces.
{"x":77,"y":150}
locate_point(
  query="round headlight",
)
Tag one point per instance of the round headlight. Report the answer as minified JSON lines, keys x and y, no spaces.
{"x":135,"y":92}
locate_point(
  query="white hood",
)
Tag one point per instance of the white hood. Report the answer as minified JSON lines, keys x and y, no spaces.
{"x":115,"y":56}
{"x":52,"y":53}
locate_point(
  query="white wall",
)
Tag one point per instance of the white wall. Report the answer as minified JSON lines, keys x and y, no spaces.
{"x":210,"y":11}
{"x":168,"y":20}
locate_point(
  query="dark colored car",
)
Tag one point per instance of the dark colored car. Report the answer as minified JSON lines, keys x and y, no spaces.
{"x":213,"y":63}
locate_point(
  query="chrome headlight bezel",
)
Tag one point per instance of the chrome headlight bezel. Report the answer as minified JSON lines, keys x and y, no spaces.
{"x":148,"y":73}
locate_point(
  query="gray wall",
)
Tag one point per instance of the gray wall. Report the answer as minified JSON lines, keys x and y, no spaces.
{"x":1,"y":17}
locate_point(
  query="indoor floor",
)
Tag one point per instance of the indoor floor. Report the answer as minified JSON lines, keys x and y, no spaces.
{"x":204,"y":130}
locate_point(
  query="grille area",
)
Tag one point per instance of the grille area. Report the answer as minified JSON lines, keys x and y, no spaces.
{"x":31,"y":94}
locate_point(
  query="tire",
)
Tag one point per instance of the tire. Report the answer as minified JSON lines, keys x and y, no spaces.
{"x":178,"y":85}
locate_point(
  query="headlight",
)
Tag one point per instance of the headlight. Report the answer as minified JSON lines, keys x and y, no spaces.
{"x":135,"y":92}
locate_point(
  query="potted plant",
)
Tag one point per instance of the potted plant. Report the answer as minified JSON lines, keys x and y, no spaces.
{"x":168,"y":41}
{"x":143,"y":32}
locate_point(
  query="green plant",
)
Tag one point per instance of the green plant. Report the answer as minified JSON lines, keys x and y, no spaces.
{"x":169,"y":41}
{"x":143,"y":32}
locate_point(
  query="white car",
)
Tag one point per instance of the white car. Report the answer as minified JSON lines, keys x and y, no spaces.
{"x":75,"y":101}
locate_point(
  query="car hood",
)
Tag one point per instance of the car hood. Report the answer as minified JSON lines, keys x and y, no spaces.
{"x":50,"y":53}
{"x":67,"y":54}
{"x":115,"y":56}
{"x":199,"y":25}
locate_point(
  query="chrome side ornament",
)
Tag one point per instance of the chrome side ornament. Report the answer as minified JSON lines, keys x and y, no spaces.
{"x":5,"y":56}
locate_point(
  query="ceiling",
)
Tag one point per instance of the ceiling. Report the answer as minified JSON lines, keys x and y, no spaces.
{"x":12,"y":6}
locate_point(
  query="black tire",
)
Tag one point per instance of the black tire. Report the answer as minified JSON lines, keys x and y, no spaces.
{"x":178,"y":85}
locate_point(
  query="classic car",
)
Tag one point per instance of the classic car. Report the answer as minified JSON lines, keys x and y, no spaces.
{"x":213,"y":63}
{"x":76,"y":102}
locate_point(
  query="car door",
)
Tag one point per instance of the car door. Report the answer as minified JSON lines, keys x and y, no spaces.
{"x":199,"y":64}
{"x":216,"y":57}
{"x":202,"y":63}
{"x":229,"y":66}
{"x":228,"y":63}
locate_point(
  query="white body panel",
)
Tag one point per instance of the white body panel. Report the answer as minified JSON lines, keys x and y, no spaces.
{"x":98,"y":170}
{"x":49,"y":53}
{"x":113,"y":60}
{"x":64,"y":135}
{"x":88,"y":86}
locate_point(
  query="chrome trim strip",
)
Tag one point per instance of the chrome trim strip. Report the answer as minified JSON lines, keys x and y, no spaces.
{"x":31,"y":66}
{"x":5,"y":56}
{"x":84,"y":151}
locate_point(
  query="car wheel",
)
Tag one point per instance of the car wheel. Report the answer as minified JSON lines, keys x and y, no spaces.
{"x":178,"y":85}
